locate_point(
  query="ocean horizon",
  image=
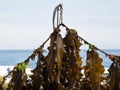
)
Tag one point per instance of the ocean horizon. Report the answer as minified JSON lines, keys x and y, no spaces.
{"x":12,"y":57}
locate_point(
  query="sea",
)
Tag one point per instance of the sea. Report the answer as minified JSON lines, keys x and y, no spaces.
{"x":12,"y":57}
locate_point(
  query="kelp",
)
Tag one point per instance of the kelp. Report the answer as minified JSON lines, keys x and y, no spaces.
{"x":19,"y":77}
{"x":93,"y":70}
{"x":72,"y":60}
{"x":62,"y":68}
{"x":113,"y":81}
{"x":37,"y":77}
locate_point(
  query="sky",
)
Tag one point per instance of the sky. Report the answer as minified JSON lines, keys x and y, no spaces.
{"x":26,"y":24}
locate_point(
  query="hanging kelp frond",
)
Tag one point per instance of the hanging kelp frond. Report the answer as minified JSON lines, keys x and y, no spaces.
{"x":93,"y":70}
{"x":52,"y":57}
{"x":19,"y":77}
{"x":37,"y":77}
{"x":114,"y":74}
{"x":54,"y":62}
{"x":72,"y":60}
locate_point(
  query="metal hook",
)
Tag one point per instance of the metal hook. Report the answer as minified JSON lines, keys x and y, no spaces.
{"x":57,"y":14}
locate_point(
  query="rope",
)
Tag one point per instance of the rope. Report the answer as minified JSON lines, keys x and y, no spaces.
{"x":111,"y":56}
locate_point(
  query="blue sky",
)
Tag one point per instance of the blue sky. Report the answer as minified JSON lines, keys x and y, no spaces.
{"x":25,"y":24}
